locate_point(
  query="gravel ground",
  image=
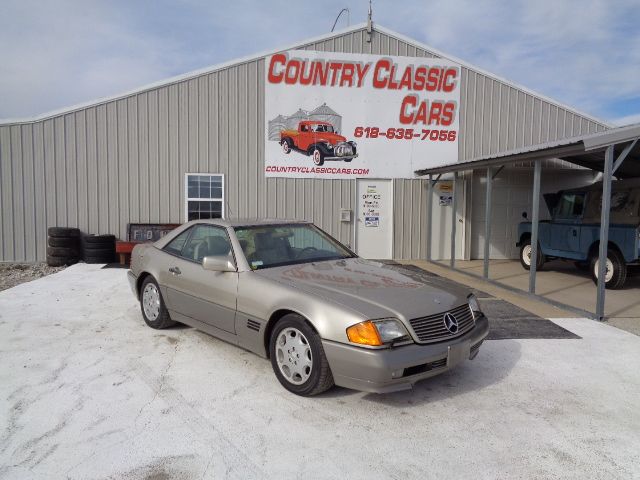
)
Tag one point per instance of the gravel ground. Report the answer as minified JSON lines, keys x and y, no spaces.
{"x":12,"y":274}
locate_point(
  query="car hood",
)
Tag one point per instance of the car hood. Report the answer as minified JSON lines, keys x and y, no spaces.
{"x":372,"y":289}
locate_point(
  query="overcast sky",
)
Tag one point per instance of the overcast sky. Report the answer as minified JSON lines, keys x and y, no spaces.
{"x":585,"y":53}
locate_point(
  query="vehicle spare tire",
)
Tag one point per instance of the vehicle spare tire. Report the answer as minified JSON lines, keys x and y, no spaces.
{"x":98,"y":248}
{"x":69,"y":252}
{"x":70,"y":242}
{"x":54,"y":261}
{"x":64,"y":232}
{"x":95,"y":240}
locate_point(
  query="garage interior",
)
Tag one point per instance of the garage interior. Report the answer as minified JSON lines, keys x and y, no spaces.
{"x":614,"y":153}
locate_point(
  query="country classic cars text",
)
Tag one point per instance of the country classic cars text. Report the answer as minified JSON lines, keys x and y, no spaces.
{"x":381,"y":74}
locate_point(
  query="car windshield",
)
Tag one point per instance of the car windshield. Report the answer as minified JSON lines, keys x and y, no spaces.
{"x":267,"y":246}
{"x":322,"y":128}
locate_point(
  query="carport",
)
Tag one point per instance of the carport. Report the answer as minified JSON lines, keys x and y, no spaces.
{"x":615,"y":153}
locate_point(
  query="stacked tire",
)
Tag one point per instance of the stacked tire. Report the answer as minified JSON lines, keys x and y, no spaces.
{"x":98,"y":248}
{"x":63,"y":246}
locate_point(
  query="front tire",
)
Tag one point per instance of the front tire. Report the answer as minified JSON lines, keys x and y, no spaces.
{"x":318,"y":157}
{"x":525,"y":256}
{"x":286,"y":146}
{"x":154,"y":311}
{"x":297,"y":357}
{"x":616,"y":271}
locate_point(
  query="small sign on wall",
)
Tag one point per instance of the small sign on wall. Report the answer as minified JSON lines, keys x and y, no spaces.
{"x":371,"y":203}
{"x":446,"y":200}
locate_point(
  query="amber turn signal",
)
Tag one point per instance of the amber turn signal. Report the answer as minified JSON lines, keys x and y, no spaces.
{"x":364,"y":333}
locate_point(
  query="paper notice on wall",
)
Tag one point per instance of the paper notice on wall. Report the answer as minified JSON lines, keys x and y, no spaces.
{"x":371,"y":204}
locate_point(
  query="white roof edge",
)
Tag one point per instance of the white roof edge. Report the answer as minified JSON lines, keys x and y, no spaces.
{"x":257,"y":56}
{"x":179,"y":78}
{"x":481,"y":71}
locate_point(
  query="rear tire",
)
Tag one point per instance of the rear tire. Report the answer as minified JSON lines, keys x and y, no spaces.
{"x":318,"y":156}
{"x":616,"y":273}
{"x":525,"y":256}
{"x":154,"y":312}
{"x":286,"y":146}
{"x":297,"y":357}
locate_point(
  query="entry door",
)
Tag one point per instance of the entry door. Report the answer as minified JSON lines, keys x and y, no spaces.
{"x":374,"y":222}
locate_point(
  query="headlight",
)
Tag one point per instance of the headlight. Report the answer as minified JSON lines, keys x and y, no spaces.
{"x":354,"y":143}
{"x":377,"y":333}
{"x":329,"y":146}
{"x":474,"y":306}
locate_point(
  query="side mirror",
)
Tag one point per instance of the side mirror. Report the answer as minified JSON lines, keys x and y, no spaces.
{"x":524,"y":215}
{"x":218,"y":263}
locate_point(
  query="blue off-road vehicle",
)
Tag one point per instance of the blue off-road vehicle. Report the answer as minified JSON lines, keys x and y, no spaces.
{"x":573,"y":233}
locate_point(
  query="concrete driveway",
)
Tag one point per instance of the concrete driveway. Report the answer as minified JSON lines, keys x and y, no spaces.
{"x":563,"y":282}
{"x":88,"y":391}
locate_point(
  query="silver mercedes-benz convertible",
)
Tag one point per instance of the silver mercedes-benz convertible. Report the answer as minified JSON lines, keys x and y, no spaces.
{"x":288,"y":291}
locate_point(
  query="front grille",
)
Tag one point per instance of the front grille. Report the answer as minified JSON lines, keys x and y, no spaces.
{"x":432,"y":328}
{"x":425,"y":367}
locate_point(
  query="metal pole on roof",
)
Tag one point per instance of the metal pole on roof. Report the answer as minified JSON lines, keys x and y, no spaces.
{"x":453,"y":220}
{"x":535,"y":216}
{"x":604,"y":230}
{"x":487,"y":224}
{"x":429,"y":214}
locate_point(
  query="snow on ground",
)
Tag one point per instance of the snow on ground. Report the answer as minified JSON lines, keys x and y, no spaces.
{"x":88,"y":391}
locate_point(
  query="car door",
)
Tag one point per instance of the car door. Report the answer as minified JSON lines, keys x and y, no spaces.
{"x":206,"y":296}
{"x":566,"y":225}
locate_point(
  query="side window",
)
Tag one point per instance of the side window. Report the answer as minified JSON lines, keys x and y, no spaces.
{"x":176,"y":245}
{"x":571,"y":205}
{"x":207,"y":240}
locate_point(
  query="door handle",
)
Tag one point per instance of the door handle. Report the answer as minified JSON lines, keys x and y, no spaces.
{"x":575,"y":233}
{"x":175,"y":271}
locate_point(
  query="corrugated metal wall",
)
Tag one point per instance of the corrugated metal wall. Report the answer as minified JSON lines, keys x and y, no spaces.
{"x":123,"y":161}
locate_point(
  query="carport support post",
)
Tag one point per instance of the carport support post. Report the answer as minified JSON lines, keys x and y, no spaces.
{"x":453,"y":220}
{"x":429,"y":215}
{"x":604,"y":229}
{"x":487,"y":224}
{"x":535,"y":215}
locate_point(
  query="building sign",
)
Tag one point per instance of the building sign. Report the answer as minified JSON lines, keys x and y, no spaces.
{"x":371,"y":203}
{"x":338,"y":115}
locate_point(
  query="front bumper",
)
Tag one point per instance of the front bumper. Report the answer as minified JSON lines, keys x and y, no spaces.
{"x":133,"y":280}
{"x":345,"y":157}
{"x":390,"y":370}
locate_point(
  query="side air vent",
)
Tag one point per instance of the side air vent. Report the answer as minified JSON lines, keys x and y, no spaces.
{"x":253,"y":325}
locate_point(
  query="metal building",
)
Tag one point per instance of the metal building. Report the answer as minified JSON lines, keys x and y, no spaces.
{"x":121,"y":160}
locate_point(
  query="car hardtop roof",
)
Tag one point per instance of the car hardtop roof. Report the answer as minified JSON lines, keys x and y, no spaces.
{"x":250,"y":222}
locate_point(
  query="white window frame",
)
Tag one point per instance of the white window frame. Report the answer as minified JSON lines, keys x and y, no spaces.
{"x":187,"y":198}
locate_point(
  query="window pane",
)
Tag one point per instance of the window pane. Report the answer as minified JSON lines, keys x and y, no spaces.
{"x":198,"y":209}
{"x":205,"y":190}
{"x":207,"y":240}
{"x":175,"y":245}
{"x":216,"y":192}
{"x":571,"y":205}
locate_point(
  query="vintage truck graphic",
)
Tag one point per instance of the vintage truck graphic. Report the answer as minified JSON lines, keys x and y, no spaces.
{"x":318,"y":140}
